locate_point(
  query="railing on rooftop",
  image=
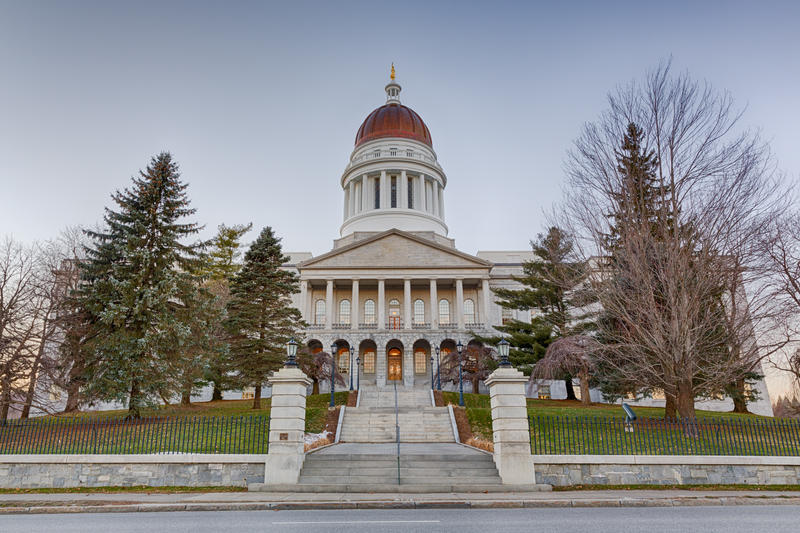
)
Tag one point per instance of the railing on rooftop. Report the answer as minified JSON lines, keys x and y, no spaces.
{"x":399,"y":154}
{"x":161,"y":435}
{"x":564,"y":435}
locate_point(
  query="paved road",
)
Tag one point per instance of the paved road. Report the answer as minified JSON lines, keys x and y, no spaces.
{"x":743,"y":519}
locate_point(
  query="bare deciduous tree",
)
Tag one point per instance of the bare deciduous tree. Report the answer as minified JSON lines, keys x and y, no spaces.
{"x":571,"y":355}
{"x":678,"y":316}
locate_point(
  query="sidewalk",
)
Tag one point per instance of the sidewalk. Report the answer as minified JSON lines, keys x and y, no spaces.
{"x":251,"y":501}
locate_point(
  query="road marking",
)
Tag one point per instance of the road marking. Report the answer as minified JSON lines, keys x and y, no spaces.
{"x":361,"y":522}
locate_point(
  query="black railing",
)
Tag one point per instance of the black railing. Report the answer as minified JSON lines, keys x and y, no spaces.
{"x":238,"y":435}
{"x":564,"y":435}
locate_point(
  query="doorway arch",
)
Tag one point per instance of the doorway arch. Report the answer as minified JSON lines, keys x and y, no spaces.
{"x":394,"y":361}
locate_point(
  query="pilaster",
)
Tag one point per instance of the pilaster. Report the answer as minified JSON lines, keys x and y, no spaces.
{"x":407,"y":303}
{"x":381,"y":304}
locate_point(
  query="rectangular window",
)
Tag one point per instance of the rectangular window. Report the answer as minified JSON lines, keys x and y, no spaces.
{"x":344,"y":361}
{"x":394,"y":191}
{"x":369,"y":362}
{"x":419,"y":362}
{"x":411,"y":194}
{"x":377,"y":193}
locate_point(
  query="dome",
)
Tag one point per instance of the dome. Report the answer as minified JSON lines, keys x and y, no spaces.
{"x":393,"y":120}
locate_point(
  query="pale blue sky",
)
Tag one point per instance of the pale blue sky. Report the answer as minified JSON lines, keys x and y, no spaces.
{"x":259,"y":102}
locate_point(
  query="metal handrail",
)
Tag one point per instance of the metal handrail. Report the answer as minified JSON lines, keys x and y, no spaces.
{"x":397,"y":430}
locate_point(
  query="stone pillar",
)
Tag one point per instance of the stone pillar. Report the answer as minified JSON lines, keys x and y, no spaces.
{"x":512,"y":444}
{"x":434,"y":305}
{"x":353,"y":207}
{"x":381,"y":304}
{"x":346,"y":204}
{"x":441,"y":203}
{"x":407,"y":303}
{"x":329,"y":305}
{"x":365,"y":196}
{"x":287,"y":424}
{"x":380,"y":364}
{"x":485,"y":302}
{"x":403,"y":191}
{"x":460,"y":304}
{"x":421,"y":192}
{"x":355,"y":307}
{"x":436,"y":198}
{"x":304,"y":288}
{"x":385,"y":193}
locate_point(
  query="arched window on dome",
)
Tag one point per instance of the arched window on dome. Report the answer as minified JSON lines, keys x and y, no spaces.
{"x":319,"y":312}
{"x":344,"y":312}
{"x":469,"y":311}
{"x":369,"y":312}
{"x":419,"y":312}
{"x":444,"y":311}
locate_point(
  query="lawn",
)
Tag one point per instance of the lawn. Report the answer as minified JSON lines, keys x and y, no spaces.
{"x":226,"y":426}
{"x":568,"y":427}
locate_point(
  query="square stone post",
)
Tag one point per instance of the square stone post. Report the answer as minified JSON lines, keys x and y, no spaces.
{"x":287,"y":426}
{"x":512,"y":444}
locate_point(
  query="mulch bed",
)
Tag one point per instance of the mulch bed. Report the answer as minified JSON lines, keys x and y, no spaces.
{"x":438,"y":398}
{"x":462,"y":423}
{"x":352,"y":398}
{"x":332,"y":420}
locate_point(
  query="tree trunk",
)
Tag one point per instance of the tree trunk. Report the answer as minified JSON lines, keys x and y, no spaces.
{"x":5,"y":404}
{"x":670,"y":410}
{"x":217,"y":394}
{"x":257,"y":397}
{"x":315,"y":386}
{"x":570,"y":389}
{"x":739,"y":397}
{"x":74,"y":380}
{"x":26,"y":408}
{"x":134,"y":407}
{"x":476,"y":383}
{"x":685,"y":400}
{"x":186,"y":396}
{"x":586,"y":398}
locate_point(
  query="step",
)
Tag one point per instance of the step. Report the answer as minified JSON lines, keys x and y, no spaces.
{"x":395,"y":488}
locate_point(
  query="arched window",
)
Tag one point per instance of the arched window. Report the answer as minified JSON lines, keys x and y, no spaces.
{"x":319,"y":313}
{"x":419,"y":312}
{"x":344,"y":312}
{"x":369,"y":362}
{"x":394,"y":313}
{"x":469,"y":311}
{"x":369,"y":312}
{"x":444,"y":311}
{"x":506,"y":315}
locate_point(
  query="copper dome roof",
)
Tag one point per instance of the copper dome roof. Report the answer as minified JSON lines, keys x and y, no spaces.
{"x":393,"y":120}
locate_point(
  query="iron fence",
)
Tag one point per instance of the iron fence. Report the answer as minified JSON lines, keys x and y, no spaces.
{"x":163,"y":435}
{"x":564,"y":435}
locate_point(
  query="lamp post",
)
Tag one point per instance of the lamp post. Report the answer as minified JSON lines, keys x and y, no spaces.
{"x":291,"y":354}
{"x":351,"y":366}
{"x":502,"y":349}
{"x":333,"y":372}
{"x":358,"y":370}
{"x":438,"y":370}
{"x":460,"y":348}
{"x":432,"y":372}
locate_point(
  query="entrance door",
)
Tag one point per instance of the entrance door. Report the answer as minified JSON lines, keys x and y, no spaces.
{"x":395,"y":366}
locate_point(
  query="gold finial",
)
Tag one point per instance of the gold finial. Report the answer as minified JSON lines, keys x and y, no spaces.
{"x":392,"y":75}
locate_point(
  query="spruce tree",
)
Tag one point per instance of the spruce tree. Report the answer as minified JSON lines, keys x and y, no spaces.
{"x":136,"y":272}
{"x":553,"y":287}
{"x":221,"y":266}
{"x":261,"y":319}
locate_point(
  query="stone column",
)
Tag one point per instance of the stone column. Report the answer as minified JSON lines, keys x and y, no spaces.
{"x":460,"y":303}
{"x":353,"y":208}
{"x":512,"y":444}
{"x":381,"y":304}
{"x":434,"y":305}
{"x":421,"y":192}
{"x":435,"y":198}
{"x":304,"y":300}
{"x":365,"y":196}
{"x":441,"y":203}
{"x":309,"y":302}
{"x":485,"y":302}
{"x":329,"y":305}
{"x":346,"y":204}
{"x":385,"y":196}
{"x":407,"y":303}
{"x":355,"y":307}
{"x":287,"y":424}
{"x":380,"y":364}
{"x":403,"y":191}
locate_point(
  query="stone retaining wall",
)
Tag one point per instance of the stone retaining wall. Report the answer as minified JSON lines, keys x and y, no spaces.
{"x":49,"y":471}
{"x":566,"y":470}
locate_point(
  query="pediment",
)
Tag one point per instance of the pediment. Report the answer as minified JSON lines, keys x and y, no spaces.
{"x":394,"y":249}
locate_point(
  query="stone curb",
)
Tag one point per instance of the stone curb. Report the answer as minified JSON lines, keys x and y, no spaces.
{"x":388,"y":504}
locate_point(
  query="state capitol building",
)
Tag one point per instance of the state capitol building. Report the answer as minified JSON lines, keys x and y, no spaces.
{"x":394,"y":286}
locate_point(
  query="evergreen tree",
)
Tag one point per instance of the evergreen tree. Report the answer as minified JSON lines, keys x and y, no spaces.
{"x":260,"y":317}
{"x":553,"y":287}
{"x":222,"y":265}
{"x":135,"y":275}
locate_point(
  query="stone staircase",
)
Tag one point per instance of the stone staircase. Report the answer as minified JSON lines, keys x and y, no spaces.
{"x":374,"y":419}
